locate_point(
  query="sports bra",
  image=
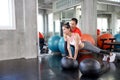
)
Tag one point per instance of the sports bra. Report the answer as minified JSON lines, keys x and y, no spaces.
{"x":72,"y":39}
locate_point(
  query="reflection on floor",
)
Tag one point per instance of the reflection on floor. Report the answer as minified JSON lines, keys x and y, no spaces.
{"x":50,"y":69}
{"x":19,"y":69}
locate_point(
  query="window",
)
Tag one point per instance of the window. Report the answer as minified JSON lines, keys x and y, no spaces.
{"x":50,"y":22}
{"x":118,"y":26}
{"x":102,"y":24}
{"x":57,"y":26}
{"x":7,"y":15}
{"x":40,"y":23}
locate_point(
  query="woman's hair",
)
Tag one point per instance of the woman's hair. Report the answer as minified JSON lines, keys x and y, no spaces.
{"x":66,"y":25}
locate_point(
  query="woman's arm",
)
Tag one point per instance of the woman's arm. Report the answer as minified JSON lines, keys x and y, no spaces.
{"x":67,"y":46}
{"x":77,"y":39}
{"x":69,"y":49}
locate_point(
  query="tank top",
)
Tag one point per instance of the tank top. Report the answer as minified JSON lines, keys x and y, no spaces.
{"x":72,"y":39}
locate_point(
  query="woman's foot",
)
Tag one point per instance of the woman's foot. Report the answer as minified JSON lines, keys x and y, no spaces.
{"x":109,"y":58}
{"x":112,"y":57}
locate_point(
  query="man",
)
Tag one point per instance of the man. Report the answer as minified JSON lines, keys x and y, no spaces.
{"x":74,"y":28}
{"x":41,"y":40}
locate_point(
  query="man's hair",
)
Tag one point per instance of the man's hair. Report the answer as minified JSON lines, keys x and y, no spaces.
{"x":74,"y":19}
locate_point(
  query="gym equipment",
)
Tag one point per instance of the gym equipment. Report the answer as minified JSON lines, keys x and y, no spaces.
{"x":117,"y":37}
{"x":61,"y":45}
{"x":90,"y":67}
{"x":83,"y":56}
{"x":88,"y":37}
{"x":67,"y":63}
{"x":104,"y":36}
{"x":62,"y":48}
{"x":53,"y":43}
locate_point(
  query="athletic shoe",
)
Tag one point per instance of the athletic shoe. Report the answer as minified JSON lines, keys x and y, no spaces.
{"x":112,"y":57}
{"x":105,"y":58}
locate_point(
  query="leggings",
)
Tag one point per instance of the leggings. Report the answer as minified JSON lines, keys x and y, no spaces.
{"x":89,"y":47}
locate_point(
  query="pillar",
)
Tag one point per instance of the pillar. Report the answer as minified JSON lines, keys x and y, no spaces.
{"x":89,"y":17}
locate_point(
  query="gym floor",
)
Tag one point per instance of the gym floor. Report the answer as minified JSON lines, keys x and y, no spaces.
{"x":48,"y":68}
{"x":19,"y":69}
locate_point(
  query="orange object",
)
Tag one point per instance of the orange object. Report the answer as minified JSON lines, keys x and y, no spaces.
{"x":41,"y":35}
{"x":84,"y":56}
{"x":77,"y":30}
{"x":104,"y":36}
{"x":88,"y":37}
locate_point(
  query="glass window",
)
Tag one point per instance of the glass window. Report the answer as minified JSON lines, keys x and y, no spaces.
{"x":57,"y":27}
{"x":7,"y":14}
{"x":118,"y":26}
{"x":40,"y":23}
{"x":50,"y":22}
{"x":102,"y":24}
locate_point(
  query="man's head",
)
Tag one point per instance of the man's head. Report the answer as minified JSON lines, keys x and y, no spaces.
{"x":73,"y":22}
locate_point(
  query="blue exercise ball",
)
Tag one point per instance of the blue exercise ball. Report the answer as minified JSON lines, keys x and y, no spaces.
{"x":62,"y":47}
{"x":117,"y":36}
{"x":53,"y":43}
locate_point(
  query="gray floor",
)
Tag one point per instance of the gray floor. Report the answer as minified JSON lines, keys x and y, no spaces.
{"x":19,"y":69}
{"x":48,"y":68}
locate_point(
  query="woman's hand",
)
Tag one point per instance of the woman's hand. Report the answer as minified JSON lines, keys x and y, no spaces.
{"x":70,"y":57}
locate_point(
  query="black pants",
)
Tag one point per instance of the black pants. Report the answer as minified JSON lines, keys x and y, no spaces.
{"x":41,"y":43}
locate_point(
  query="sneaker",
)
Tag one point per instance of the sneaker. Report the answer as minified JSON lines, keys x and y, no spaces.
{"x":105,"y":58}
{"x":112,"y":57}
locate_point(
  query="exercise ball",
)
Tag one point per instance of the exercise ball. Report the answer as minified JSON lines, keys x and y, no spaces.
{"x":62,"y":48}
{"x":117,"y":36}
{"x":67,"y":63}
{"x":90,"y":67}
{"x":53,"y":43}
{"x":83,"y":56}
{"x":88,"y":37}
{"x":104,"y":36}
{"x":61,"y":45}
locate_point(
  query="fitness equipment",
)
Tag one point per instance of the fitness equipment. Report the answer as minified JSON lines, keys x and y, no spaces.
{"x":117,"y":37}
{"x":83,"y":56}
{"x":90,"y":67}
{"x":88,"y":37}
{"x":67,"y":63}
{"x":104,"y":36}
{"x":93,"y":68}
{"x":53,"y":43}
{"x":62,"y":48}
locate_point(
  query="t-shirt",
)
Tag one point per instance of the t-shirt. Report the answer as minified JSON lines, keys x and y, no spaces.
{"x":77,"y":30}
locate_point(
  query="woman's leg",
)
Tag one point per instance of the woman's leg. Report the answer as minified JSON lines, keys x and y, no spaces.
{"x":90,"y":47}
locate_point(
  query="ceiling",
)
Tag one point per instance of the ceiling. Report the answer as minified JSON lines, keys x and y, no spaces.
{"x":45,"y":4}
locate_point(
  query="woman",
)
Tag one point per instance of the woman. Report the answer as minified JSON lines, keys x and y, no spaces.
{"x":75,"y":40}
